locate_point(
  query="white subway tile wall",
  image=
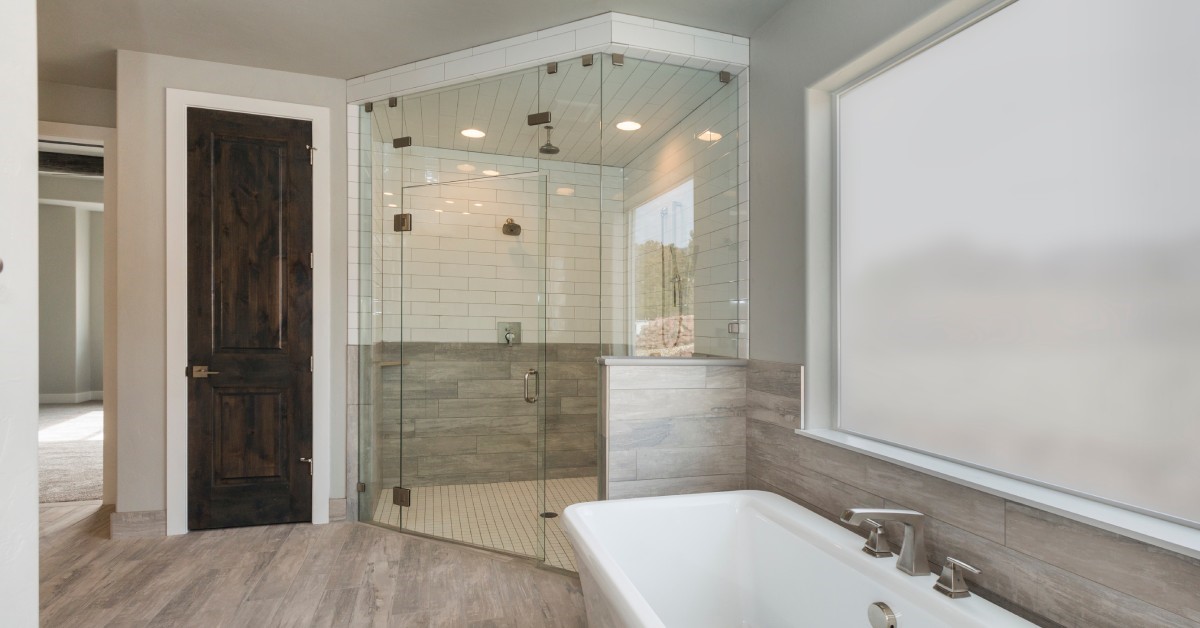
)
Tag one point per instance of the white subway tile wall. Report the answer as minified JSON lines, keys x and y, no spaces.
{"x":456,"y":274}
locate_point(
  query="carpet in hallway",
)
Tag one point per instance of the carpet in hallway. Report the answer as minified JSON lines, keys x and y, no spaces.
{"x":70,"y":452}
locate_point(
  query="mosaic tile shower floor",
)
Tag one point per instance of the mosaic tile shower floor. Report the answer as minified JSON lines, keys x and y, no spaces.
{"x":501,"y":515}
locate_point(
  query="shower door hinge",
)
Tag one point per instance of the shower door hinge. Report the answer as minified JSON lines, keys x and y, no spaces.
{"x":402,"y":222}
{"x":401,"y":496}
{"x":724,"y":76}
{"x":361,"y":486}
{"x":311,"y":150}
{"x":552,"y":67}
{"x":402,"y":142}
{"x":735,"y":328}
{"x":538,"y":119}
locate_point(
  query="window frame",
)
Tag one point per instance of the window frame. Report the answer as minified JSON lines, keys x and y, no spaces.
{"x":820,"y":417}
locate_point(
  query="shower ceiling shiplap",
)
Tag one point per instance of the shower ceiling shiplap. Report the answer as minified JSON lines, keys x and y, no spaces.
{"x":656,"y":95}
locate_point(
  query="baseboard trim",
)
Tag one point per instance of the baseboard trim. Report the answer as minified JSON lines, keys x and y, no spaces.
{"x":89,"y":395}
{"x":337,"y":510}
{"x":137,"y":525}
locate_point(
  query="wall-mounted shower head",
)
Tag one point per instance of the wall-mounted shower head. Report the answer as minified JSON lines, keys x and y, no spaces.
{"x":548,"y":148}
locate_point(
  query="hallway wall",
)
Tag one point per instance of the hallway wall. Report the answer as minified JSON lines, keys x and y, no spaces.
{"x":70,"y":304}
{"x":18,"y":315}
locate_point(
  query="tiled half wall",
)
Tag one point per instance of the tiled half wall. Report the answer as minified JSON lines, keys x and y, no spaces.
{"x":455,"y":413}
{"x":673,"y":425}
{"x":1054,"y":571}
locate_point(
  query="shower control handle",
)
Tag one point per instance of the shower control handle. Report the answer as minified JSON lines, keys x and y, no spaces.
{"x":537,"y":385}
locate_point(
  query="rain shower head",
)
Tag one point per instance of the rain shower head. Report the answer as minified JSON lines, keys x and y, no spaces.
{"x":548,"y":148}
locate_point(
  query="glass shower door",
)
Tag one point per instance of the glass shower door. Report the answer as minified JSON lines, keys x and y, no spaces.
{"x":470,"y":369}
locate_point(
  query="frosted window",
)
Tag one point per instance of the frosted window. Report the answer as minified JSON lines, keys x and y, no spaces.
{"x":1019,"y":243}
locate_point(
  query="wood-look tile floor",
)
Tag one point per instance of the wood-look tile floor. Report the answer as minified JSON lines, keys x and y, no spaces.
{"x":340,"y":574}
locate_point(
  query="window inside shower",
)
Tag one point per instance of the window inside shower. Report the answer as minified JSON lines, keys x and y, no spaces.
{"x":663,"y":279}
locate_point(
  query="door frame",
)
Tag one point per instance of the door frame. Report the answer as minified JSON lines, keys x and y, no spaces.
{"x":106,"y":136}
{"x":178,"y":101}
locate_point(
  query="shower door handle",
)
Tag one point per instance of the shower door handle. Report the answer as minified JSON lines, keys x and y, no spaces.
{"x":537,"y":386}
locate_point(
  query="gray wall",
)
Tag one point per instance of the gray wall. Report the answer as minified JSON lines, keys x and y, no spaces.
{"x":1050,"y":569}
{"x":56,"y":299}
{"x":142,"y":80}
{"x":70,"y":302}
{"x":74,"y":104}
{"x":803,"y":42}
{"x":673,"y":429}
{"x":95,"y":315}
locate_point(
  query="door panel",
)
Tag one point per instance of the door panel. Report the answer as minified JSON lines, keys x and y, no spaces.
{"x":249,"y":223}
{"x":248,"y":437}
{"x":249,"y":319}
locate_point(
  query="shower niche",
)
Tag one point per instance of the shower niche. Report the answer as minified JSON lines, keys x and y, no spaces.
{"x":591,"y":205}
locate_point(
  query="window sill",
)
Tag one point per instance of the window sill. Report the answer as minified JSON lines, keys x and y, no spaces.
{"x":1160,"y":533}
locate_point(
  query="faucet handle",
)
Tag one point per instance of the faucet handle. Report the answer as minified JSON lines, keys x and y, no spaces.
{"x":877,"y":543}
{"x":951,"y":582}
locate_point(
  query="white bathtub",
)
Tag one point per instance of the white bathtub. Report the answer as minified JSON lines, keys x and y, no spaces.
{"x":745,"y":558}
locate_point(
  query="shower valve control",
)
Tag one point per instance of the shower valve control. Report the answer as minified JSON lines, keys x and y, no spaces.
{"x":508,"y":333}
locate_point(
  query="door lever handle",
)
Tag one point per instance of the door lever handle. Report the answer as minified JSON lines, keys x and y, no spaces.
{"x":310,"y":464}
{"x":200,"y":372}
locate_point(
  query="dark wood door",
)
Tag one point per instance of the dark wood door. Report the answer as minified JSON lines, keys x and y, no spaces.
{"x":249,"y":319}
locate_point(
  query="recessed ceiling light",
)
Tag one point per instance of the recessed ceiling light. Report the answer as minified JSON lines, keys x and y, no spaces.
{"x":565,"y":191}
{"x":466,"y":168}
{"x":473,"y":133}
{"x":628,"y":125}
{"x":709,"y":136}
{"x":491,"y":173}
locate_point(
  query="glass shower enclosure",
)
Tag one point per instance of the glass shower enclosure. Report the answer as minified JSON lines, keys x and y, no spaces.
{"x":513,"y":231}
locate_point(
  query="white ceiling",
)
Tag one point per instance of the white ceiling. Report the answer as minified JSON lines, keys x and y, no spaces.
{"x":656,"y":95}
{"x":336,"y":38}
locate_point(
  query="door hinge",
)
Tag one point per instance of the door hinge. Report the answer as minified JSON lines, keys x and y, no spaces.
{"x":401,"y":496}
{"x":312,"y":364}
{"x":311,"y":150}
{"x":362,"y":487}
